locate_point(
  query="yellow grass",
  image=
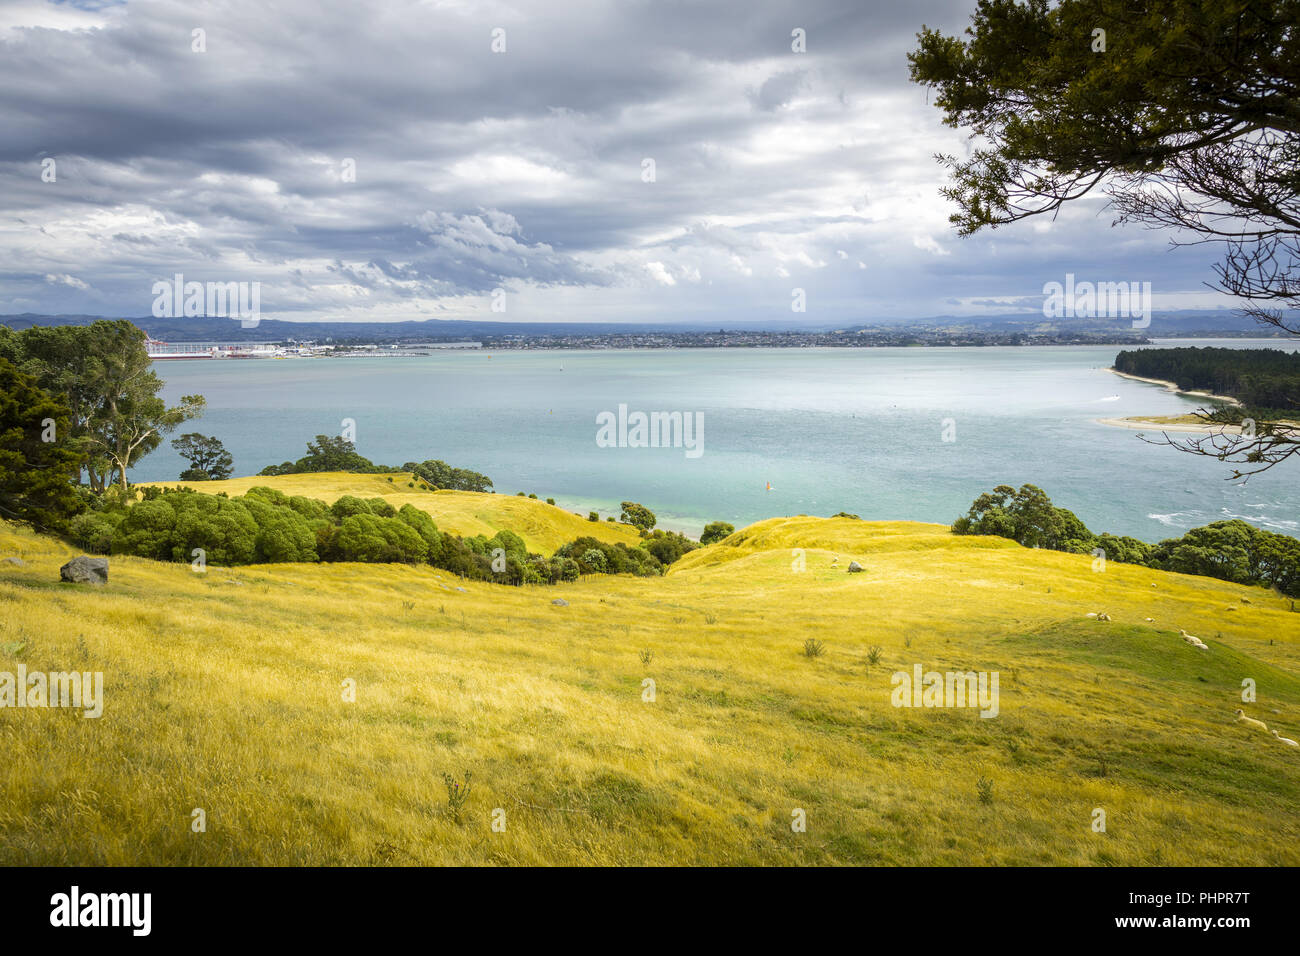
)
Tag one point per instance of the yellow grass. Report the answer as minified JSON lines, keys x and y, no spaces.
{"x":224,"y":693}
{"x":543,"y":527}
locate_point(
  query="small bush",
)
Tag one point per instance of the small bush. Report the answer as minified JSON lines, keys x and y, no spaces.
{"x":813,"y":648}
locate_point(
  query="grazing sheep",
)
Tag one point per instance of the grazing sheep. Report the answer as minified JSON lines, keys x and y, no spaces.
{"x":1091,"y":614}
{"x":1286,"y":740}
{"x":1191,"y":639}
{"x":1149,"y":620}
{"x":1243,"y":719}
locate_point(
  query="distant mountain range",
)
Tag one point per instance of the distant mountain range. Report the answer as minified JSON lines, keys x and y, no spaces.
{"x":1163,"y":324}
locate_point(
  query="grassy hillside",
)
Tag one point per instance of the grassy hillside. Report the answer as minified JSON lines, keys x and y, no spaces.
{"x":223,"y":692}
{"x":543,"y":527}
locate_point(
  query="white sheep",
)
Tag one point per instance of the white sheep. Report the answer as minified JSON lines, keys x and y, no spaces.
{"x":1243,"y":719}
{"x":1286,"y":740}
{"x":1193,"y":640}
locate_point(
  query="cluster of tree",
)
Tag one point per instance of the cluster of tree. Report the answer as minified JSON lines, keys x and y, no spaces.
{"x":1230,"y":550}
{"x":331,"y":453}
{"x":266,"y":525}
{"x":599,"y":557}
{"x":1266,"y":379}
{"x":438,"y":475}
{"x":81,"y":402}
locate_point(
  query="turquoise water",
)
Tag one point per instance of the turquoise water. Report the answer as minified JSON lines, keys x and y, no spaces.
{"x":857,"y":430}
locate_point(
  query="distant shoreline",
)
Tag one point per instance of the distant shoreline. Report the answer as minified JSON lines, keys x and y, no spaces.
{"x":1154,"y":424}
{"x":1173,"y":387}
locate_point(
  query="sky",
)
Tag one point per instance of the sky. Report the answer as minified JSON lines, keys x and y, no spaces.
{"x":395,"y":160}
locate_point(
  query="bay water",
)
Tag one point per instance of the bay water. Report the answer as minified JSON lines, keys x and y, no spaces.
{"x":884,"y":433}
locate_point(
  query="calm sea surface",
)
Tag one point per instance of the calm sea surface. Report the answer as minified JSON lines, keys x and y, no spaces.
{"x":857,"y":430}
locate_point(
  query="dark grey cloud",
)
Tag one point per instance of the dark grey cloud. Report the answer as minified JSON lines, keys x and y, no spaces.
{"x":522,"y":170}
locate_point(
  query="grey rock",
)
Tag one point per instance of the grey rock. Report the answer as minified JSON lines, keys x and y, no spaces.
{"x":16,"y":562}
{"x":462,"y":590}
{"x":560,"y":602}
{"x":855,"y":568}
{"x":85,"y":570}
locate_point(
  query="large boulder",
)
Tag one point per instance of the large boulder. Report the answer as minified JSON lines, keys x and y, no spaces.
{"x":85,"y":570}
{"x":855,"y":568}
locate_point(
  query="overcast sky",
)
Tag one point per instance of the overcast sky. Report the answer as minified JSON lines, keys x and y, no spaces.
{"x":521,"y":170}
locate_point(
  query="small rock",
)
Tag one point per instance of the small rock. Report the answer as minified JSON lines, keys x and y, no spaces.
{"x":85,"y":570}
{"x":560,"y":602}
{"x":1247,"y":601}
{"x":16,"y":562}
{"x":855,"y":568}
{"x":462,"y":590}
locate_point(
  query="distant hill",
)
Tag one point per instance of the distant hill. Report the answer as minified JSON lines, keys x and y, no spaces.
{"x":1167,"y":324}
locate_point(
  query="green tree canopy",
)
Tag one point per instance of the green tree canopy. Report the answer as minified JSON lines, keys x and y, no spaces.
{"x":638,"y":516}
{"x":716,"y":531}
{"x":37,"y":465}
{"x":208,"y":458}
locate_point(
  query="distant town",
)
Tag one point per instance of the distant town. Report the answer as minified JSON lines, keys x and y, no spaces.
{"x":859,"y":338}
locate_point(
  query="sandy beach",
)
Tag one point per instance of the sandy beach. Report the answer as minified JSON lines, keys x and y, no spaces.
{"x":1173,"y":387}
{"x":1147,"y":424}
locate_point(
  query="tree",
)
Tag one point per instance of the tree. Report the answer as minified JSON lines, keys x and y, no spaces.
{"x":36,"y":464}
{"x":330,"y":453}
{"x":439,"y":474}
{"x":716,"y":531}
{"x":638,"y":516}
{"x":668,"y":546}
{"x":1027,"y":516}
{"x":593,"y":560}
{"x":208,"y":458}
{"x":1185,"y":114}
{"x":130,"y":419}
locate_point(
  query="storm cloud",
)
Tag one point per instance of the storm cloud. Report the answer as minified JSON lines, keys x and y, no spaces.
{"x":405,"y":159}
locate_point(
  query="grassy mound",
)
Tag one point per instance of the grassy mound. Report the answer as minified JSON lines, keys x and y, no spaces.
{"x":224,"y":692}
